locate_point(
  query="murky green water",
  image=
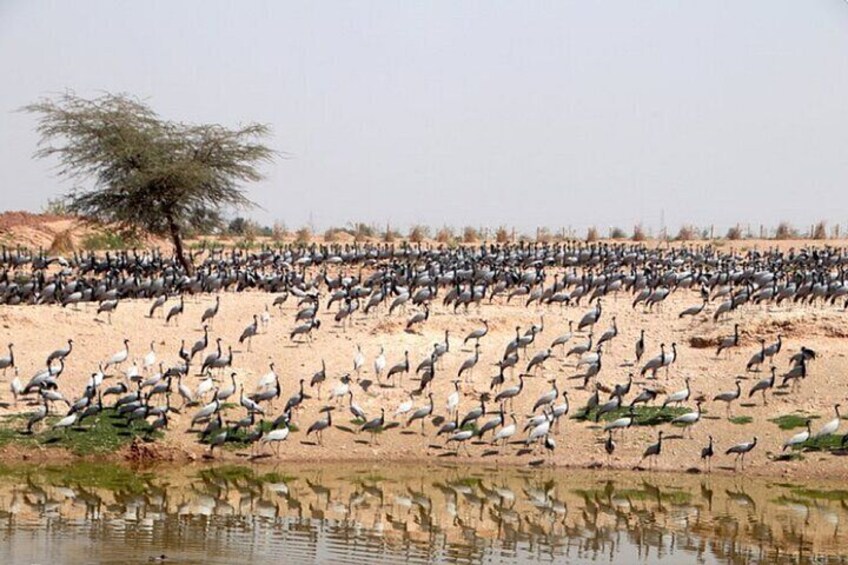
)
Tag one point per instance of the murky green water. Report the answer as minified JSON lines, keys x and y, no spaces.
{"x":347,"y":514}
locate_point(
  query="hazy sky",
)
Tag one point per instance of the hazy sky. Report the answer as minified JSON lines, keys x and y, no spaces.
{"x":485,"y":113}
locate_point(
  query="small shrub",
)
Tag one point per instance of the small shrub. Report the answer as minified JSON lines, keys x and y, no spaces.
{"x":303,"y":236}
{"x":592,"y":234}
{"x":820,"y":231}
{"x":390,"y":235}
{"x":734,"y":233}
{"x":361,"y":231}
{"x":418,"y":233}
{"x":618,"y":233}
{"x":107,"y":240}
{"x":331,"y":235}
{"x":62,"y":243}
{"x":502,"y":235}
{"x":56,"y":207}
{"x":543,"y":235}
{"x":785,"y":231}
{"x":279,"y":232}
{"x":686,"y":233}
{"x":237,"y":226}
{"x":639,"y":233}
{"x":470,"y":235}
{"x":445,"y":235}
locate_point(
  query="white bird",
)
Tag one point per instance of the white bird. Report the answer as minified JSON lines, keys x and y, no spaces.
{"x":204,"y":387}
{"x":539,"y":431}
{"x":798,"y":438}
{"x":15,"y":386}
{"x":118,"y":358}
{"x":265,"y":317}
{"x":358,"y":360}
{"x":679,"y":396}
{"x":453,"y":398}
{"x":66,"y":422}
{"x":831,"y":427}
{"x":276,"y":437}
{"x":267,"y":379}
{"x":690,"y":418}
{"x":404,"y":407}
{"x":132,"y":373}
{"x":149,"y":359}
{"x":341,"y":389}
{"x":622,"y":423}
{"x":379,"y":364}
{"x":505,"y":432}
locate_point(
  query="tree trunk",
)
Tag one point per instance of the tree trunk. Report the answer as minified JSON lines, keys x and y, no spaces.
{"x":177,"y":239}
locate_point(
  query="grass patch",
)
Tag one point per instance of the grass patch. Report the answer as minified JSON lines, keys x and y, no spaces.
{"x":816,"y":494}
{"x":826,"y":443}
{"x":85,"y":474}
{"x":645,"y":415}
{"x":792,"y":421}
{"x":105,"y":434}
{"x":740,"y":420}
{"x":108,"y":240}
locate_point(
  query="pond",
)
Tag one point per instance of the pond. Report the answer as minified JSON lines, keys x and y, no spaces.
{"x":95,"y":513}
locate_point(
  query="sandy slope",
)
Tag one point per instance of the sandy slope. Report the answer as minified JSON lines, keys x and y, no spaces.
{"x":38,"y":330}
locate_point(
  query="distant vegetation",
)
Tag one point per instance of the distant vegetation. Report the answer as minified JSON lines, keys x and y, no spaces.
{"x":244,"y":232}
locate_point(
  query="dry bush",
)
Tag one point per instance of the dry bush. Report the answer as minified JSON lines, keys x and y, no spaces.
{"x":418,"y":233}
{"x":618,"y":233}
{"x":331,"y":235}
{"x":687,"y":233}
{"x":62,"y":243}
{"x":639,"y":233}
{"x":279,"y":232}
{"x":734,"y":233}
{"x":543,"y":235}
{"x":470,"y":235}
{"x":502,"y":235}
{"x":303,"y":236}
{"x":820,"y":231}
{"x":592,"y":234}
{"x":361,"y":231}
{"x":445,"y":235}
{"x":390,"y":235}
{"x":785,"y":231}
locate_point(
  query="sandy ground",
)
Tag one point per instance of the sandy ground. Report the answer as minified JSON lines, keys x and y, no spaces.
{"x":36,"y":331}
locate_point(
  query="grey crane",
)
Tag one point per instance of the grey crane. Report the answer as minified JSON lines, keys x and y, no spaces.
{"x":729,"y":342}
{"x":741,"y":450}
{"x":209,"y":314}
{"x":324,"y":423}
{"x":757,"y":358}
{"x":175,"y":312}
{"x":9,"y":361}
{"x":729,"y":397}
{"x":477,"y":334}
{"x":250,"y":331}
{"x":652,"y":452}
{"x":422,"y":413}
{"x":60,"y":354}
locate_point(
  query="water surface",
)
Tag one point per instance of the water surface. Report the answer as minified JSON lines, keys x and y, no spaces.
{"x":89,"y":513}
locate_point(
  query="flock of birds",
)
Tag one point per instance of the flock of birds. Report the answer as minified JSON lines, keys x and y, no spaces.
{"x":372,"y":281}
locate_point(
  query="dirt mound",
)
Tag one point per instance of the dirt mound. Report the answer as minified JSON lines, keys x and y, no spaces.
{"x":58,"y":234}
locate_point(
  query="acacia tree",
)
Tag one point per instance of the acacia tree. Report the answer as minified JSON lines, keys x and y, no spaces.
{"x":148,"y":174}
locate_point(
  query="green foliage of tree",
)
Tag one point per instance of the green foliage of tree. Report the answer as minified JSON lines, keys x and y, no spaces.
{"x":149,"y":174}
